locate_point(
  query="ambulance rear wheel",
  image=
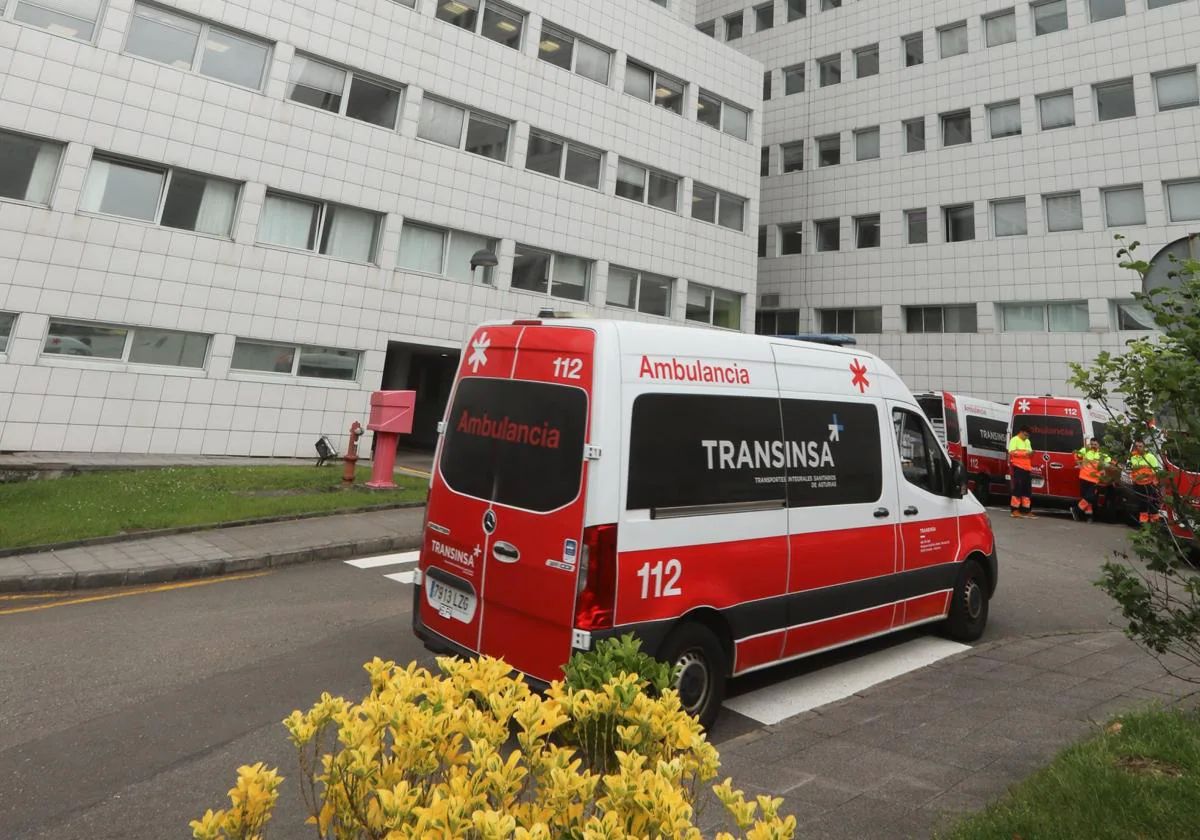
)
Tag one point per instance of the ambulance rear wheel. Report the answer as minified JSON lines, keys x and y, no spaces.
{"x":983,"y":491}
{"x":969,"y":604}
{"x":701,"y":668}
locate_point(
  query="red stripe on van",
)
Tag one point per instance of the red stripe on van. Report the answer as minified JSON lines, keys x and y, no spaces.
{"x":836,"y":631}
{"x":827,"y":558}
{"x":759,"y":650}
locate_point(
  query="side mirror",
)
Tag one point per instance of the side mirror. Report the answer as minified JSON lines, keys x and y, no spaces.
{"x":958,"y":479}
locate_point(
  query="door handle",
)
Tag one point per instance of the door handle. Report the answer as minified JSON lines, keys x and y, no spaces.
{"x":911,"y":510}
{"x":1056,"y":466}
{"x":881,"y":513}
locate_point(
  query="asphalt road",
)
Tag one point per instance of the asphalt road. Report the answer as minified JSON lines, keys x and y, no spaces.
{"x":126,"y":716}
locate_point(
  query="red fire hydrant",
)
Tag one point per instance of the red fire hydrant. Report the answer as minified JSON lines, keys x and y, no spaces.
{"x":351,"y":458}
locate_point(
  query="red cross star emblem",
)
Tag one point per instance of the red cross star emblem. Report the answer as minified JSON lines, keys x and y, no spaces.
{"x":860,"y":376}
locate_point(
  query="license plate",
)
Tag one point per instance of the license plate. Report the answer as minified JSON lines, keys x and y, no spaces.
{"x":450,"y":601}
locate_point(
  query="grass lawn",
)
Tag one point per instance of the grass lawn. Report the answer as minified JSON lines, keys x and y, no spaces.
{"x":100,"y":504}
{"x":1139,"y":778}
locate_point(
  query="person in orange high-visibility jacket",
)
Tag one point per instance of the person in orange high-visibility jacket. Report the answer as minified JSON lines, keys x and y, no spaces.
{"x":1143,"y":469}
{"x":1092,"y":464}
{"x":1020,"y":465}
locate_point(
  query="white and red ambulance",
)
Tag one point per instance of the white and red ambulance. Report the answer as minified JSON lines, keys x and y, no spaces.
{"x":1058,"y":428}
{"x":975,"y":433}
{"x":736,"y":501}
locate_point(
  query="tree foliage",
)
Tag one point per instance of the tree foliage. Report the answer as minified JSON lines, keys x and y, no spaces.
{"x":1152,"y":392}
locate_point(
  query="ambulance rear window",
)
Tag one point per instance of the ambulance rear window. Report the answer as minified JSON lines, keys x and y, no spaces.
{"x":983,"y":433}
{"x":515,"y":443}
{"x":1053,"y":434}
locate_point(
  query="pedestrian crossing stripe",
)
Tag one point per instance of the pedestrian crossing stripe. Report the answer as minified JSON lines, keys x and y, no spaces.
{"x":404,"y":558}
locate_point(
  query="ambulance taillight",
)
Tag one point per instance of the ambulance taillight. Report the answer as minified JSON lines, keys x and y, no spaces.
{"x":597,"y":586}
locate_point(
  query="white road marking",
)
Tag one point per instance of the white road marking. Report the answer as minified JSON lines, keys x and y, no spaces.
{"x":781,"y":700}
{"x":385,"y":560}
{"x":401,"y":577}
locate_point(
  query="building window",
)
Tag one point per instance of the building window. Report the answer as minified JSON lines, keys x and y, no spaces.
{"x":307,"y":225}
{"x":956,"y":128}
{"x":866,"y":231}
{"x":791,"y":238}
{"x":714,"y":111}
{"x":940,"y":319}
{"x":829,"y":150}
{"x":293,"y":360}
{"x":764,"y":165}
{"x":793,"y":79}
{"x":570,"y":52}
{"x":914,"y":135}
{"x":189,"y":44}
{"x":796,"y":9}
{"x":498,"y":22}
{"x":867,"y":319}
{"x":829,"y":70}
{"x":1064,"y":211}
{"x":343,"y":92}
{"x":952,"y":39}
{"x":1056,"y":110}
{"x":766,"y":85}
{"x":72,"y":18}
{"x":640,"y":291}
{"x":866,"y":61}
{"x":1008,"y":217}
{"x":560,"y":158}
{"x":1049,"y":17}
{"x":717,"y":307}
{"x":1183,"y":200}
{"x":649,"y":85}
{"x":1114,"y":100}
{"x":1159,"y":4}
{"x":1099,"y":10}
{"x":793,"y":156}
{"x":1000,"y":28}
{"x":827,"y":5}
{"x":709,"y":28}
{"x":762,"y":240}
{"x":829,"y":234}
{"x":724,"y":209}
{"x":7,"y":319}
{"x":1176,"y":89}
{"x":647,"y":186}
{"x":777,"y":322}
{"x":170,"y":197}
{"x":733,"y":27}
{"x":1071,"y":316}
{"x":461,"y":128}
{"x":916,"y":222}
{"x":441,"y":251}
{"x":557,"y":275}
{"x":28,"y":167}
{"x":1124,"y":206}
{"x":1004,"y":119}
{"x":1133,"y":316}
{"x":958,"y":222}
{"x":764,"y":17}
{"x":914,"y":49}
{"x":866,"y":143}
{"x":136,"y":345}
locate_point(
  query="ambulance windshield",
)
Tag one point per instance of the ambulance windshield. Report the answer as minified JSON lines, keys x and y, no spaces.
{"x":515,"y":443}
{"x":1053,"y":434}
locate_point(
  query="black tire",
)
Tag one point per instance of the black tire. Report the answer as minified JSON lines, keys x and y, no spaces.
{"x":703,"y":668}
{"x":969,"y":604}
{"x":983,"y":490}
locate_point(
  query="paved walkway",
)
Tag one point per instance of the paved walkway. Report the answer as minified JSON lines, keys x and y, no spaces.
{"x":219,"y":551}
{"x":908,"y":757}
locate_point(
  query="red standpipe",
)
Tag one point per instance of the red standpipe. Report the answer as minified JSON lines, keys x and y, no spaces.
{"x":351,"y":458}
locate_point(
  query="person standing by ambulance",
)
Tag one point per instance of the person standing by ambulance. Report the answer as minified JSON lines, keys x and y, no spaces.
{"x":1143,"y":469}
{"x":1091,"y":462}
{"x":1020,"y":465}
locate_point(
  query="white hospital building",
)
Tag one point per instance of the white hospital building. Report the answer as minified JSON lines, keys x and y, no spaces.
{"x":223,"y":224}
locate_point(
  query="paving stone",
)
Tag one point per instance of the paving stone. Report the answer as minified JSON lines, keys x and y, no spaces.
{"x":868,"y":817}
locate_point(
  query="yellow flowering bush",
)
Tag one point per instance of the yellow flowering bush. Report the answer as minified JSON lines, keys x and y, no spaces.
{"x":472,"y":752}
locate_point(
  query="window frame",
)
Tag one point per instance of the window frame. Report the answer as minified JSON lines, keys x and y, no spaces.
{"x":854,"y":313}
{"x":943,"y":119}
{"x":788,"y":230}
{"x":648,"y":171}
{"x":655,"y":75}
{"x":1100,"y":87}
{"x":1105,"y":192}
{"x":489,"y":278}
{"x":949,"y":28}
{"x":908,"y":219}
{"x":344,"y":105}
{"x":769,"y":8}
{"x":9,"y":12}
{"x":827,"y":224}
{"x":588,"y":282}
{"x":480,"y":14}
{"x":323,"y":208}
{"x":1006,"y":306}
{"x":1092,"y":12}
{"x":53,"y":185}
{"x":468,"y":113}
{"x":865,"y":132}
{"x":796,"y":10}
{"x":1033,"y":11}
{"x":994,"y":108}
{"x":1180,"y":182}
{"x":942,"y":308}
{"x":1043,"y":97}
{"x":297,"y":351}
{"x":714,"y":291}
{"x":859,"y":226}
{"x":792,"y":71}
{"x":740,"y":17}
{"x":1178,"y":71}
{"x":126,"y":348}
{"x":996,"y":203}
{"x":921,"y":121}
{"x":911,"y":38}
{"x":831,"y":60}
{"x":947,"y":209}
{"x":818,"y":141}
{"x":561,"y":33}
{"x":798,"y":145}
{"x":725,"y":105}
{"x":201,"y":39}
{"x":1046,"y":197}
{"x":868,"y":50}
{"x":637,"y":296}
{"x":567,"y":147}
{"x":1010,"y":12}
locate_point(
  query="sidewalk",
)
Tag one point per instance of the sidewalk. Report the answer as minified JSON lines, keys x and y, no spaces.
{"x":908,"y":757}
{"x":214,"y":552}
{"x":82,"y":461}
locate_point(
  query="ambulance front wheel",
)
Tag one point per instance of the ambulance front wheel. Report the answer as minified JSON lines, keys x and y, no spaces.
{"x":701,"y":669}
{"x":969,"y":605}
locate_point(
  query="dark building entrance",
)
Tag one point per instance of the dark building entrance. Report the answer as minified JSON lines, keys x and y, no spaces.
{"x":430,"y":372}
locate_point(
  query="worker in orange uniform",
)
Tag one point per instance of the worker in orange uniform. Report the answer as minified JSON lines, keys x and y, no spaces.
{"x":1143,"y":469}
{"x":1092,"y":463}
{"x":1020,"y":465}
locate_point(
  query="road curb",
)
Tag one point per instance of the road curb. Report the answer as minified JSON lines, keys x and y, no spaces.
{"x":64,"y":581}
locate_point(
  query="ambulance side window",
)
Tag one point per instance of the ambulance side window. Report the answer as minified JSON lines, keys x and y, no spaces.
{"x":984,"y":433}
{"x":921,"y":460}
